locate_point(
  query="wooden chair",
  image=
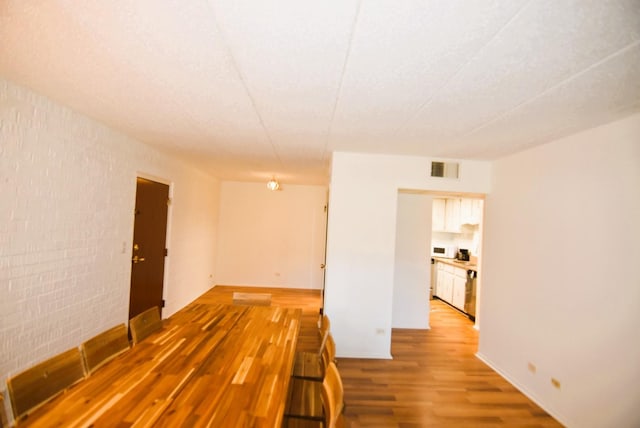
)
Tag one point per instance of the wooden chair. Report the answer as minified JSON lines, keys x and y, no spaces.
{"x":312,"y":365}
{"x":253,"y":299}
{"x":42,"y":382}
{"x":325,"y":325}
{"x":331,"y":393}
{"x":4,"y":422}
{"x":104,"y":347}
{"x":305,"y":398}
{"x":333,"y":397}
{"x":307,"y":365}
{"x":145,"y":324}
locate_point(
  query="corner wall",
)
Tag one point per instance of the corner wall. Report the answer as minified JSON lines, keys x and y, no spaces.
{"x":362,"y":237}
{"x":66,"y":226}
{"x":412,"y":270}
{"x":560,"y":279}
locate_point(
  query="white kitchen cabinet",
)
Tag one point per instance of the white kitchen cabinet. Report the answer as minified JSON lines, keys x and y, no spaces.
{"x":439,"y":279}
{"x":438,"y":214}
{"x":445,"y":215}
{"x":451,"y":284}
{"x":452,"y":215}
{"x":444,"y":281}
{"x":470,"y":211}
{"x":459,"y":288}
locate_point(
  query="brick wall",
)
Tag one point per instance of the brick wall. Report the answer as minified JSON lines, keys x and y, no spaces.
{"x":66,"y":224}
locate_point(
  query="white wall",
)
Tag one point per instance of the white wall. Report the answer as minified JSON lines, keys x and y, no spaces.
{"x":361,"y":241}
{"x":66,"y":225}
{"x":561,"y":287}
{"x":412,"y":270}
{"x":271,"y":238}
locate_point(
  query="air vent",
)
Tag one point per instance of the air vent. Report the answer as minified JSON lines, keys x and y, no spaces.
{"x":444,"y":169}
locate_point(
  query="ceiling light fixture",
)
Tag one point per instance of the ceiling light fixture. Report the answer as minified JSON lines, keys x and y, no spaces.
{"x":273,"y":184}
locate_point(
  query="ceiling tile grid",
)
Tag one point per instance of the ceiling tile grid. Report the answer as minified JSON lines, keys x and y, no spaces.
{"x":247,"y":89}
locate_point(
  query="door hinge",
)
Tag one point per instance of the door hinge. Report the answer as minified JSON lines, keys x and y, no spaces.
{"x":166,"y":252}
{"x":163,"y":303}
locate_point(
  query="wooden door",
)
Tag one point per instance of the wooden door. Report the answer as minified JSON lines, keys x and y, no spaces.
{"x":149,"y":238}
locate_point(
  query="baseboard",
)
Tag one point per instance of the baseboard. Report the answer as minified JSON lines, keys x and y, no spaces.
{"x":560,"y":418}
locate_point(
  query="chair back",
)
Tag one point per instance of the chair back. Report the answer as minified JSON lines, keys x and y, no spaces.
{"x":253,"y":299}
{"x":325,"y":325}
{"x":333,"y":397}
{"x":329,"y":351}
{"x":105,"y":346}
{"x":40,"y":383}
{"x":145,"y":324}
{"x":4,"y":422}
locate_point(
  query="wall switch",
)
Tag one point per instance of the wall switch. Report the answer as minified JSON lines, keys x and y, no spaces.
{"x":380,"y":331}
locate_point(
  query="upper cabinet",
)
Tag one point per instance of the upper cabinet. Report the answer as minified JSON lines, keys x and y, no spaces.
{"x":451,"y":213}
{"x":438,"y":214}
{"x":470,"y":211}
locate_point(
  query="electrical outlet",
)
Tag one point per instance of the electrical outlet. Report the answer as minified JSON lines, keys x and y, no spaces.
{"x":532,"y":368}
{"x":555,"y":382}
{"x":380,"y":331}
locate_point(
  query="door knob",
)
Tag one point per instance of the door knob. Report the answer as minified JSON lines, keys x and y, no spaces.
{"x":322,"y":266}
{"x":137,"y":259}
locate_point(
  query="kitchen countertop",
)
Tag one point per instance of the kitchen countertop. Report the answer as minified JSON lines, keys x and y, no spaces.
{"x":456,"y":263}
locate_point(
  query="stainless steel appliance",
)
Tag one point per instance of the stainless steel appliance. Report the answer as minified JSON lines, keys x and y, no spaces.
{"x":470,"y":294}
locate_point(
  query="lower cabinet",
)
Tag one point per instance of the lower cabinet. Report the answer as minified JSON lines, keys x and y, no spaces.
{"x":451,"y":284}
{"x":459,"y":288}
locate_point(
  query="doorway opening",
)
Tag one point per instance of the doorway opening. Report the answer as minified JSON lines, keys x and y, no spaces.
{"x":443,"y":245}
{"x":149,"y":246}
{"x":456,"y":247}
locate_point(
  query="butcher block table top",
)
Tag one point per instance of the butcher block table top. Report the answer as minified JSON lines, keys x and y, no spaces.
{"x":211,"y":365}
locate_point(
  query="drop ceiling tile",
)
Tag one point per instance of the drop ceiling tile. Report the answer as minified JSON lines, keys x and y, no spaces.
{"x":543,"y":46}
{"x":605,"y":93}
{"x":290,"y":55}
{"x":249,"y":88}
{"x":403,"y":53}
{"x":150,"y":69}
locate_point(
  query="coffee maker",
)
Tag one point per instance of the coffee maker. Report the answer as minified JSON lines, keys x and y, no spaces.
{"x":463,"y":255}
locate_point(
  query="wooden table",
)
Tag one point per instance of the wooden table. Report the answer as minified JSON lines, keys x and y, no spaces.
{"x":211,"y":365}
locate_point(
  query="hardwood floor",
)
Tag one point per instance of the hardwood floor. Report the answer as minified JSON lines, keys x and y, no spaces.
{"x":434,"y":379}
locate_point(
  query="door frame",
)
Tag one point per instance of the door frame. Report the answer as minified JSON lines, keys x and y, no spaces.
{"x":161,"y":180}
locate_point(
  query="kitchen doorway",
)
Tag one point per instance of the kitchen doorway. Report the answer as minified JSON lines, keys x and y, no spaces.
{"x":149,"y":246}
{"x":423,"y":222}
{"x":456,"y":251}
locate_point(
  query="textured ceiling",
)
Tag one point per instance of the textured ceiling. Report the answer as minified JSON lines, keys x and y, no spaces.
{"x":251,"y":89}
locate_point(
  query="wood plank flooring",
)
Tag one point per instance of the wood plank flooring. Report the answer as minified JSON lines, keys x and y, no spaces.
{"x":434,"y":379}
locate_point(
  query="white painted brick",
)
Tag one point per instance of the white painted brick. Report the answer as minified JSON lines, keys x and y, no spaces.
{"x":68,"y":193}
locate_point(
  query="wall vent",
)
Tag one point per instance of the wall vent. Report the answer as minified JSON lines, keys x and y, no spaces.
{"x":444,"y":169}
